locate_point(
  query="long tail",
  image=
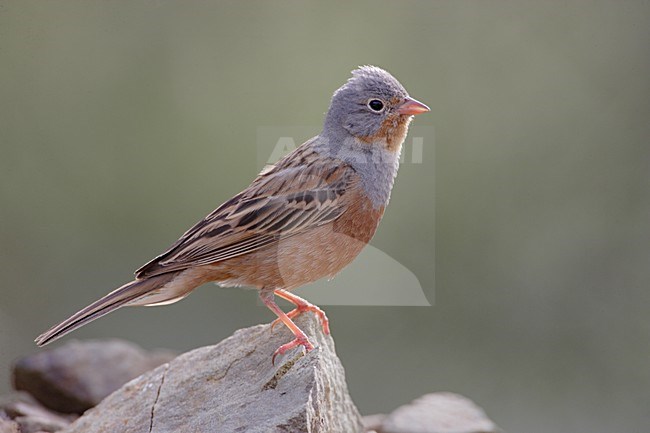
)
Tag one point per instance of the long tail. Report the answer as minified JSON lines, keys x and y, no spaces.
{"x":128,"y":293}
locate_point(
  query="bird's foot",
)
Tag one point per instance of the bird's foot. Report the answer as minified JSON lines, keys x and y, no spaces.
{"x":302,"y":306}
{"x":298,"y":341}
{"x":325,"y":323}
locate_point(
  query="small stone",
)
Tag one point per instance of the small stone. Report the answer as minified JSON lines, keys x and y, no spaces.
{"x":8,"y":426}
{"x":78,"y":375}
{"x":30,"y":416}
{"x":439,"y":413}
{"x":30,"y":424}
{"x":372,"y":423}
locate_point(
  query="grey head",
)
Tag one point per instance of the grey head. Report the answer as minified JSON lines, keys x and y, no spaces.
{"x":365,"y":126}
{"x":363,"y":105}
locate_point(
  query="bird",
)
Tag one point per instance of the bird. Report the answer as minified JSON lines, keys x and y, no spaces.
{"x":304,"y":218}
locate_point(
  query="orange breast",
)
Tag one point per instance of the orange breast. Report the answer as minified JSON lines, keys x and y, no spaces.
{"x":301,"y":259}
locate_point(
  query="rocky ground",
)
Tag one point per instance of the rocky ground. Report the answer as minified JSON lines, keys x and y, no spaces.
{"x":115,"y":386}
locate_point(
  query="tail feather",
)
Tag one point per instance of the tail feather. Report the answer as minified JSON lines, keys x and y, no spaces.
{"x":119,"y":297}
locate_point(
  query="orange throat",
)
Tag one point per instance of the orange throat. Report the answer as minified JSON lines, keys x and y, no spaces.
{"x":392,"y":133}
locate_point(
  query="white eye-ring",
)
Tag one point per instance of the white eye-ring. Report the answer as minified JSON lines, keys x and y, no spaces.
{"x":376,"y":105}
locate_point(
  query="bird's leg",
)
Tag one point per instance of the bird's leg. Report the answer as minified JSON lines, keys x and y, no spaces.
{"x":302,"y":305}
{"x":301,"y":338}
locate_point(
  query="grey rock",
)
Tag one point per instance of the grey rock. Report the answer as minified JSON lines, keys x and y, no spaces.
{"x":439,"y":413}
{"x":233,"y":387}
{"x":78,"y":375}
{"x":30,"y":424}
{"x":8,"y":426}
{"x":30,"y":416}
{"x":372,"y":423}
{"x":10,"y":404}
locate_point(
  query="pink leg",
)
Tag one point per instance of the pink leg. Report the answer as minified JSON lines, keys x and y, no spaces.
{"x":300,"y":340}
{"x":302,"y":305}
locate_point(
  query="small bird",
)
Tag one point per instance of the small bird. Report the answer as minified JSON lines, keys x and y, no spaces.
{"x":304,"y":218}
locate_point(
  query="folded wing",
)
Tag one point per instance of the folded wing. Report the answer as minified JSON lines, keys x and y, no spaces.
{"x":280,"y":203}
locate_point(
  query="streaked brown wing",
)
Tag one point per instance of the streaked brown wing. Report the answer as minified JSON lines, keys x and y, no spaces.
{"x":280,"y":203}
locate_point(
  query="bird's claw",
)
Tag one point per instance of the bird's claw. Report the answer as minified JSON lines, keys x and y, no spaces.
{"x":303,"y":308}
{"x":298,"y":341}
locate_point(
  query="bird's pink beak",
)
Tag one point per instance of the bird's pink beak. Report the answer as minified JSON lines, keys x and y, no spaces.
{"x":412,"y":107}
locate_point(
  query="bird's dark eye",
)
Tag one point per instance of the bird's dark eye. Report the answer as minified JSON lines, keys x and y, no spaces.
{"x":376,"y":105}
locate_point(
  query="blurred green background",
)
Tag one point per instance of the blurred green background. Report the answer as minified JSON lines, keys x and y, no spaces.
{"x":122,"y":123}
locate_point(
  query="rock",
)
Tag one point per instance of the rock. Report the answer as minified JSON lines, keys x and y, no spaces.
{"x":233,"y":387}
{"x":78,"y":375}
{"x":372,"y":423}
{"x":28,"y":424}
{"x":8,"y":426}
{"x":438,"y":413}
{"x":30,"y":416}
